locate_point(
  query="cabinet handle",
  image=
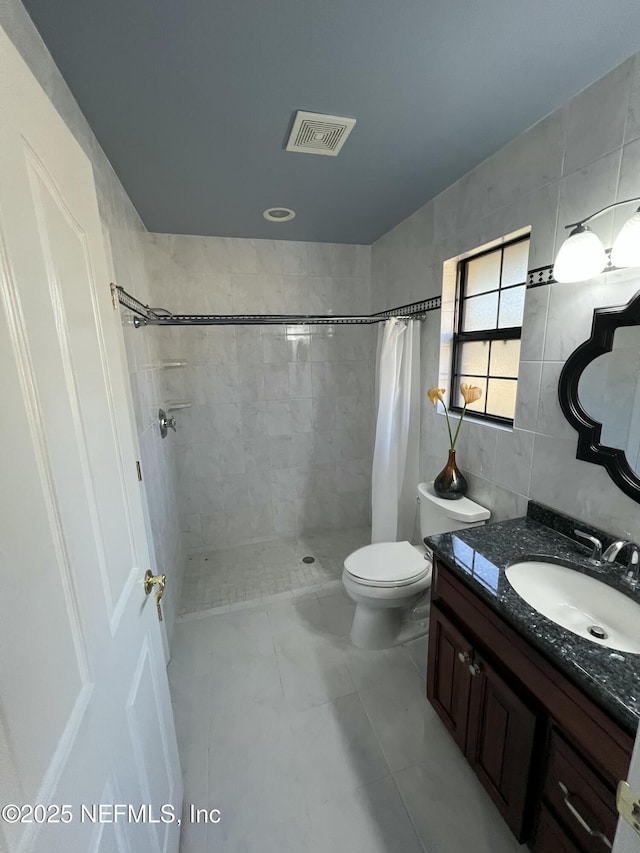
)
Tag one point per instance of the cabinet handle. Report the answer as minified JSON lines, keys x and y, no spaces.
{"x":593,"y":832}
{"x":464,"y":657}
{"x":475,"y":668}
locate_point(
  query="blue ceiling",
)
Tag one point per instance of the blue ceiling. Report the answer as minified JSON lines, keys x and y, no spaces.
{"x":192,"y":100}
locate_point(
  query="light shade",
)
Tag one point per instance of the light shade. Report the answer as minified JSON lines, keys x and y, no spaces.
{"x":581,"y":256}
{"x":626,"y":249}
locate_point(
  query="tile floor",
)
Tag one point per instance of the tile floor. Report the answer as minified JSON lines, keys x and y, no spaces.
{"x":306,"y":743}
{"x":250,"y":574}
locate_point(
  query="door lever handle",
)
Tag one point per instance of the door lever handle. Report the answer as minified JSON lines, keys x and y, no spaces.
{"x":160,"y":581}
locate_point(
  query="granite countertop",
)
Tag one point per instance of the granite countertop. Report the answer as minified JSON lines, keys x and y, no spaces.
{"x":479,"y":556}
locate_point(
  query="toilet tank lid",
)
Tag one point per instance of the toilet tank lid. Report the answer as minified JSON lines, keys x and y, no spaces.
{"x":464,"y":510}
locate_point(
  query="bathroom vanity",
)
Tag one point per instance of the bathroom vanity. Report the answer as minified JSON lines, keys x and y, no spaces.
{"x":545,"y":717}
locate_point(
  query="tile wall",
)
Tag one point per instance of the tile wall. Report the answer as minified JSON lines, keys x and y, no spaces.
{"x":123,"y":232}
{"x":574,"y":162}
{"x":278,"y":440}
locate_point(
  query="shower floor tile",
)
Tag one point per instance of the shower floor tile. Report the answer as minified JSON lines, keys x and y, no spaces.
{"x":250,"y":574}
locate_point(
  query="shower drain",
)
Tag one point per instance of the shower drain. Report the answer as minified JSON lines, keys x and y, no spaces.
{"x":308,"y":559}
{"x":598,"y":632}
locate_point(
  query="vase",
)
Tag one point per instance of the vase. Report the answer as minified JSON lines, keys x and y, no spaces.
{"x":450,"y":484}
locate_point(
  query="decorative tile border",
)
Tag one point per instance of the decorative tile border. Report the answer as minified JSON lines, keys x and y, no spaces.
{"x":544,"y":275}
{"x":411,"y":309}
{"x":540,"y":276}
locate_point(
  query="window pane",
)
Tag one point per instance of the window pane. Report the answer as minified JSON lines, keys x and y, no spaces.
{"x":514,"y":264}
{"x":501,"y":398}
{"x":474,"y":357}
{"x":511,"y":307}
{"x":505,"y":358}
{"x":478,"y":406}
{"x":483,"y":274}
{"x":480,"y":312}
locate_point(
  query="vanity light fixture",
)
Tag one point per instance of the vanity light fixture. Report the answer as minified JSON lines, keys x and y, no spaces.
{"x":582,"y":254}
{"x":626,"y":249}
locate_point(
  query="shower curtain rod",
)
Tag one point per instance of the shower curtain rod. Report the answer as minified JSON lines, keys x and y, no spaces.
{"x":146,"y":316}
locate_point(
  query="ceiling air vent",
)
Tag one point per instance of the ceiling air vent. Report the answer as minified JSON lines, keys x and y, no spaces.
{"x":314,"y":133}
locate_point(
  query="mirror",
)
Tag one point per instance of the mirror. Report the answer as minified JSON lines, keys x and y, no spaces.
{"x":599,"y":392}
{"x":609,"y":391}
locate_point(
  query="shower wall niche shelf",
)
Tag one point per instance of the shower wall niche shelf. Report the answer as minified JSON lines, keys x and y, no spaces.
{"x":176,"y":405}
{"x":168,"y":364}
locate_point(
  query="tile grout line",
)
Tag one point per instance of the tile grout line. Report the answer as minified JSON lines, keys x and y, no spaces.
{"x":412,"y":824}
{"x":375,"y":734}
{"x":391,"y":774}
{"x":289,"y":723}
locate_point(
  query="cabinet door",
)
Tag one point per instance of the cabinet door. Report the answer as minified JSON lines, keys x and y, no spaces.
{"x":448,"y":675}
{"x":500,"y":741}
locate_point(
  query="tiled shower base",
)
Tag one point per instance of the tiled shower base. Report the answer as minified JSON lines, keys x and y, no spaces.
{"x":230,"y":578}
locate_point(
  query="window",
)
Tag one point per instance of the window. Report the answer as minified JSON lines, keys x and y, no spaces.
{"x":486,"y":340}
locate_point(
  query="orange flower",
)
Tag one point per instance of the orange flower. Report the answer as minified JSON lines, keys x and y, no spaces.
{"x":435,"y":395}
{"x":470,"y":393}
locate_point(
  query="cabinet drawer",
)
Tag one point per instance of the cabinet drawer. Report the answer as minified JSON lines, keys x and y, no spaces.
{"x":574,"y":791}
{"x":551,"y":837}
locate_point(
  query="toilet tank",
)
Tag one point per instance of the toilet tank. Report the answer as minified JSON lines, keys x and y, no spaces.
{"x":438,"y":515}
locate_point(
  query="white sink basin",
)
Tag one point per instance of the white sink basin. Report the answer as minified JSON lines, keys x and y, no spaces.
{"x":579,"y":603}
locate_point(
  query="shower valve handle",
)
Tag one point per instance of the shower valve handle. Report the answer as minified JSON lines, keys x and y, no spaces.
{"x":166,"y":423}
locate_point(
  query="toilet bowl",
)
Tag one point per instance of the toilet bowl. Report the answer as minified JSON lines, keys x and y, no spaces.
{"x":384,"y":580}
{"x":390,"y":582}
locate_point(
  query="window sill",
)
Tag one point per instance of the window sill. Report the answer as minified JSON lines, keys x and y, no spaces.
{"x":455,"y":416}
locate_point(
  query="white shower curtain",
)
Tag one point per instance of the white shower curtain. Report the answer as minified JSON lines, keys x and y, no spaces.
{"x":395,"y":458}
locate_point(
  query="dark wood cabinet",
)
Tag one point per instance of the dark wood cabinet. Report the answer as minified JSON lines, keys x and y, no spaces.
{"x":500,"y":741}
{"x":450,"y":682}
{"x":488,"y":721}
{"x":583,"y":804}
{"x":550,"y":836}
{"x":547,"y":754}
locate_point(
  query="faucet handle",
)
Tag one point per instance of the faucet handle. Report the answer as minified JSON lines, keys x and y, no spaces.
{"x":596,"y":555}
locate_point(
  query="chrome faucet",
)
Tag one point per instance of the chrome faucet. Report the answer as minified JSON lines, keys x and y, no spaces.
{"x":632,"y":572}
{"x":614,"y":549}
{"x":597,"y":558}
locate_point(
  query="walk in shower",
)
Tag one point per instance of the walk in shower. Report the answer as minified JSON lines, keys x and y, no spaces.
{"x":275,"y":413}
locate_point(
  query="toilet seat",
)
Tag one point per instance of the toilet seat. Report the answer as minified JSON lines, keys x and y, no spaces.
{"x":387,"y":564}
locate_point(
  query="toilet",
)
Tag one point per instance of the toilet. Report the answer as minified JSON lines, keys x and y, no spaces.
{"x":390,"y":582}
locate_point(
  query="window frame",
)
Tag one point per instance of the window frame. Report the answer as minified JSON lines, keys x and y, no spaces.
{"x":461,"y":337}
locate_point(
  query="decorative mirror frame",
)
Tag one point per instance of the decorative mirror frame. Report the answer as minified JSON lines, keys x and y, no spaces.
{"x":605,"y":322}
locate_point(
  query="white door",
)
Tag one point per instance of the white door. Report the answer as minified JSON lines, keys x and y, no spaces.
{"x":85,"y":714}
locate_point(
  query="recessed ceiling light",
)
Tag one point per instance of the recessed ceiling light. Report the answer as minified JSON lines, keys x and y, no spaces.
{"x":279,"y":214}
